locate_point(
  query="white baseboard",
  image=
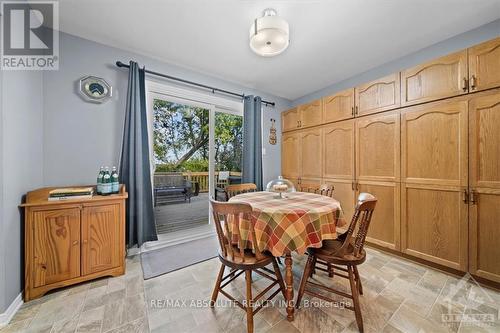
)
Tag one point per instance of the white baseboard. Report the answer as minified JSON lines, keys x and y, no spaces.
{"x":7,"y":316}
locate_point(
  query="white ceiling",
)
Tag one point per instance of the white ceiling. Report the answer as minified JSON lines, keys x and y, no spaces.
{"x":330,"y":40}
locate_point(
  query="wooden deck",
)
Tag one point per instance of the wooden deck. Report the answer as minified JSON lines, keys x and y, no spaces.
{"x":182,"y":215}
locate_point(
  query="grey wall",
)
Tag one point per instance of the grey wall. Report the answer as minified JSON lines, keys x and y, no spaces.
{"x":21,"y":168}
{"x":456,"y":43}
{"x":80,"y":136}
{"x":70,"y":139}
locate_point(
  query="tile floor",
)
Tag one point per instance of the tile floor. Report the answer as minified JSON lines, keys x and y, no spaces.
{"x":400,"y":296}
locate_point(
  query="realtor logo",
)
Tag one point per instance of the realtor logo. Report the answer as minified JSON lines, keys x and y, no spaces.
{"x":468,"y":294}
{"x":30,"y":38}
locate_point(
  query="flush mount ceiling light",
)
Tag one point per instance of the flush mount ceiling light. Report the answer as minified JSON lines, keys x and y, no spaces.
{"x":269,"y":34}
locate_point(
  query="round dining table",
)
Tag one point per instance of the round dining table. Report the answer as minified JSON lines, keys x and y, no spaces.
{"x":293,"y":223}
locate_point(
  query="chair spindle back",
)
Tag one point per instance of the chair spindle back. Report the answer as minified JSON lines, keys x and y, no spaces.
{"x":232,"y":190}
{"x":323,"y":189}
{"x":326,"y":190}
{"x":363,"y":213}
{"x":227,"y":219}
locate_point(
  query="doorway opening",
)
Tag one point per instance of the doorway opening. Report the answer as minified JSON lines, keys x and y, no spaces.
{"x":197,"y":150}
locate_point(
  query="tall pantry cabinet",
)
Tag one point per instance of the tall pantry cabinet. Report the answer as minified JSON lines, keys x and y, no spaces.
{"x":484,"y":180}
{"x":434,"y":158}
{"x":426,"y":142}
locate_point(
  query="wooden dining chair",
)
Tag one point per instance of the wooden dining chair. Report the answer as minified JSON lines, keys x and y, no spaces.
{"x":310,"y":188}
{"x":323,"y":189}
{"x":232,"y":190}
{"x":239,"y":260}
{"x":344,"y":254}
{"x":326,"y":190}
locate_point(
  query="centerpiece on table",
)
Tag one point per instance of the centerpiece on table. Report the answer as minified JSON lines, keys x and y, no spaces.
{"x":281,"y":186}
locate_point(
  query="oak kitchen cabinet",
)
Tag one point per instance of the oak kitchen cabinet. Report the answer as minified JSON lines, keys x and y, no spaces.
{"x":436,"y":79}
{"x":68,"y":242}
{"x":290,"y":120}
{"x":432,"y":158}
{"x":290,"y":155}
{"x":339,"y":106}
{"x":378,"y":172}
{"x":434,"y":175}
{"x":484,"y":65}
{"x":311,"y":153}
{"x":311,"y":114}
{"x":338,"y":162}
{"x":378,"y":95}
{"x":300,"y":152}
{"x":484,"y":198}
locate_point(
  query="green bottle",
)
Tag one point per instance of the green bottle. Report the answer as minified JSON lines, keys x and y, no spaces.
{"x":106,"y":182}
{"x":115,"y":184}
{"x":99,"y":180}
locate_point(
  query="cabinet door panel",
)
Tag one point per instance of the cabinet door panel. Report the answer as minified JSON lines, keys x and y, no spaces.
{"x":343,"y":192}
{"x":434,"y":144}
{"x":378,"y":148}
{"x":384,"y":228}
{"x":484,"y":141}
{"x":290,"y":120}
{"x":440,"y":78}
{"x":310,"y":147}
{"x":379,"y":95}
{"x":484,"y":65}
{"x":100,"y":238}
{"x":290,"y":150}
{"x":338,"y":150}
{"x":56,"y":245}
{"x":311,"y":114}
{"x":339,"y":106}
{"x":434,"y":224}
{"x":484,"y":234}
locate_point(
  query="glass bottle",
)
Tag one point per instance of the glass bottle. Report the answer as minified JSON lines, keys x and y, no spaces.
{"x":99,"y":180}
{"x":115,"y":184}
{"x":106,"y":182}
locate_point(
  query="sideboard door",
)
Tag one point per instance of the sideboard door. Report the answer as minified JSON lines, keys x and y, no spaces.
{"x":56,"y":245}
{"x":101,"y":230}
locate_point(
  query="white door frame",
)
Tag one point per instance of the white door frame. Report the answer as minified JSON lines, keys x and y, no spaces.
{"x":194,"y":98}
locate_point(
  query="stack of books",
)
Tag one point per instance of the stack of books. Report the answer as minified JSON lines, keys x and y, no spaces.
{"x":71,"y":193}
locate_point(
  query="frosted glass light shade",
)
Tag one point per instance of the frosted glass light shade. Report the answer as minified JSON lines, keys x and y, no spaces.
{"x":269,"y":35}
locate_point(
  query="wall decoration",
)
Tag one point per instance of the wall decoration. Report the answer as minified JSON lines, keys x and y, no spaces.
{"x":95,"y":89}
{"x":272,"y":132}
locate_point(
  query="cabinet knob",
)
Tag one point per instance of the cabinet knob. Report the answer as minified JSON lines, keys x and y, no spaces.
{"x":464,"y":85}
{"x":43,"y":266}
{"x":75,"y":242}
{"x":85,"y":241}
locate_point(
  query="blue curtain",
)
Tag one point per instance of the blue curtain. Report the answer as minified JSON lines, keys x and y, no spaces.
{"x":252,"y":141}
{"x":135,"y":171}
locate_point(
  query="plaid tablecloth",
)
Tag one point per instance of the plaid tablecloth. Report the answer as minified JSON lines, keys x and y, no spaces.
{"x":300,"y":221}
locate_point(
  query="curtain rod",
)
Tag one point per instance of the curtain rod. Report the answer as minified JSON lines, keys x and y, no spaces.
{"x":213,"y":89}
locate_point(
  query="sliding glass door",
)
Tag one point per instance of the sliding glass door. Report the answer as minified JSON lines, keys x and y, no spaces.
{"x":227,"y":150}
{"x":197,"y":152}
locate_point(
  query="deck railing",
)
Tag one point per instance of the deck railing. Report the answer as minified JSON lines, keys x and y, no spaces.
{"x":201,"y":177}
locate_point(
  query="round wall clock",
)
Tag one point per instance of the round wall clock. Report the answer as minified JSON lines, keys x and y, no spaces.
{"x":95,"y":89}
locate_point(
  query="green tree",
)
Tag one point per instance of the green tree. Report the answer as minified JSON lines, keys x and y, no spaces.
{"x":181,"y":135}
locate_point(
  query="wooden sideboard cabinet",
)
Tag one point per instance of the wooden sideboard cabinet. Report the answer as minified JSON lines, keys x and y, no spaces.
{"x":72,"y":241}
